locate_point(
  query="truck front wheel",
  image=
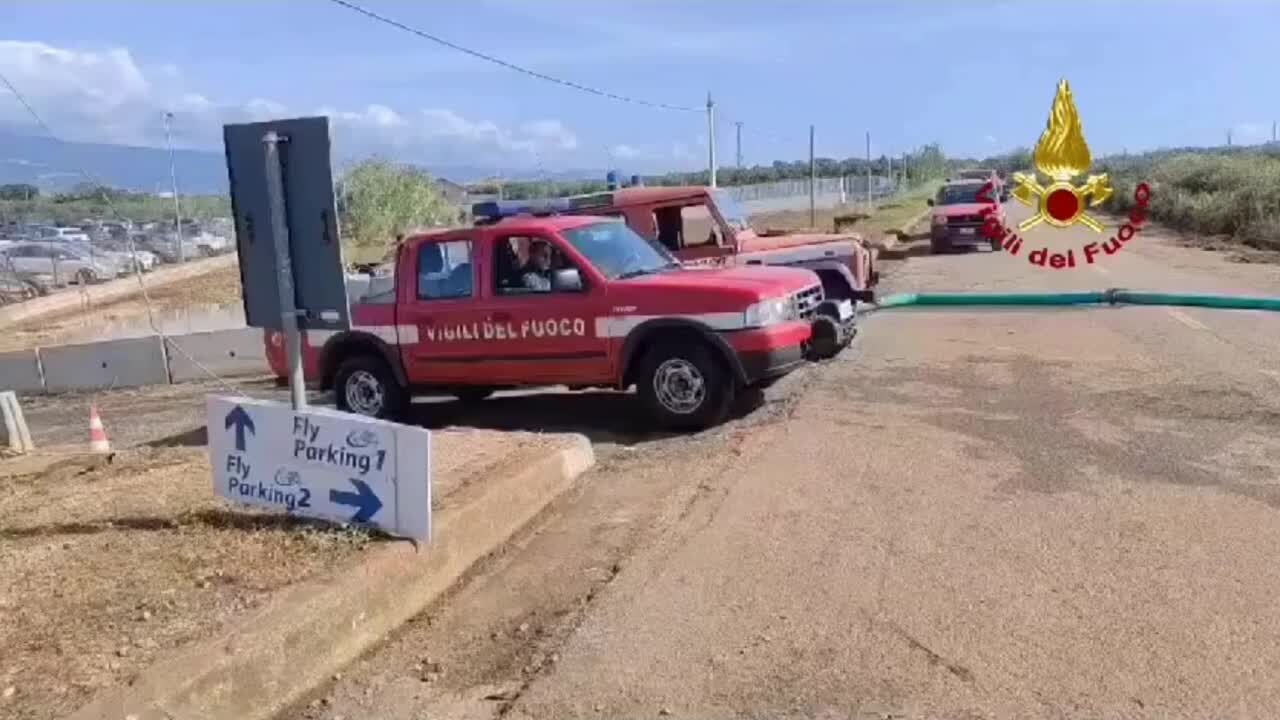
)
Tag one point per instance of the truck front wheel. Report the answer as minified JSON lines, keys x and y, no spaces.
{"x":364,"y":385}
{"x":684,"y":387}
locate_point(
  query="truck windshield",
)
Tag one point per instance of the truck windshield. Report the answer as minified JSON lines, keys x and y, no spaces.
{"x":618,"y":252}
{"x":730,"y":210}
{"x":959,"y":194}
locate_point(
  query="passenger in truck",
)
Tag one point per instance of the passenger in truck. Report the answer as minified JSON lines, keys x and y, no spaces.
{"x":536,"y":273}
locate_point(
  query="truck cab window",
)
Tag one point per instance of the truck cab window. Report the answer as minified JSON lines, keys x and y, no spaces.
{"x":686,"y":226}
{"x":445,"y":270}
{"x":699,"y":226}
{"x":523,"y":265}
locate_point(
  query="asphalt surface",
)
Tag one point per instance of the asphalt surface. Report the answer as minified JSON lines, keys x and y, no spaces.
{"x":969,"y":514}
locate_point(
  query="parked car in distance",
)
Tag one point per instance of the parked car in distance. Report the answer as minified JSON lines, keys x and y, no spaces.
{"x":49,"y":233}
{"x":957,"y":216}
{"x":119,"y":253}
{"x":64,"y":262}
{"x":610,"y":309}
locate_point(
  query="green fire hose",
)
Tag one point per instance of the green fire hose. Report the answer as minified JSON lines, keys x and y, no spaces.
{"x":1113,"y":296}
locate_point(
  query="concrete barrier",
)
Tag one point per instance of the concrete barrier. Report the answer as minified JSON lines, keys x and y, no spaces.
{"x":225,"y":352}
{"x":101,"y":365}
{"x":20,"y":371}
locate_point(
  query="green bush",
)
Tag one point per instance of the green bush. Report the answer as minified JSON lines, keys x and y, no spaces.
{"x":1225,"y":192}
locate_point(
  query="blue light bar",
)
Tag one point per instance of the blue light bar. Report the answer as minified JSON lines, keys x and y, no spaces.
{"x":495,"y":209}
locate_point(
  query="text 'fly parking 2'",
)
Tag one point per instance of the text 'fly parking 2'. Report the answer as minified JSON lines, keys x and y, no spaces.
{"x":321,"y":463}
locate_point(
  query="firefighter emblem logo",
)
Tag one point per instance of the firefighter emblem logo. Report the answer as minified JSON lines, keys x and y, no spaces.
{"x":1062,"y":155}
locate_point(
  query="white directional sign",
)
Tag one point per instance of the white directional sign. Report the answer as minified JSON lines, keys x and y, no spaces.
{"x":322,"y":463}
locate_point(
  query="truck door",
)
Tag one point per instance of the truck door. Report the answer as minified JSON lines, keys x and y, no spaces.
{"x":541,"y":335}
{"x":444,"y":312}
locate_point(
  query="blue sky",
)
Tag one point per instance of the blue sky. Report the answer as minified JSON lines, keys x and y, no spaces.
{"x":977,"y":77}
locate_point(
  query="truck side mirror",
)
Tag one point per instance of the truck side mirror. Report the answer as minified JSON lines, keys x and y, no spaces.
{"x":929,"y":202}
{"x":567,"y":280}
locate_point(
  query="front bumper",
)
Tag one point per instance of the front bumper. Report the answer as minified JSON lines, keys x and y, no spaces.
{"x":769,"y":352}
{"x":767,"y":364}
{"x":961,"y":236}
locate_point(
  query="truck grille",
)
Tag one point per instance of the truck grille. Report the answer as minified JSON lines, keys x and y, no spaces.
{"x":808,"y":300}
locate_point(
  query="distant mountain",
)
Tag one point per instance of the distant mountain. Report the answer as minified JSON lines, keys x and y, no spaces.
{"x":57,"y":165}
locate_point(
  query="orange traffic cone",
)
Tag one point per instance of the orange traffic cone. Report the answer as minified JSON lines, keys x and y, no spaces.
{"x":98,"y":441}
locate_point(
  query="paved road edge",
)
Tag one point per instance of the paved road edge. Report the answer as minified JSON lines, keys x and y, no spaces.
{"x":307,"y":632}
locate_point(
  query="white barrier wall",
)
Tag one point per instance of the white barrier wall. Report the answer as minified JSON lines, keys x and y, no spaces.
{"x":20,"y":371}
{"x":102,"y":365}
{"x":224,"y":352}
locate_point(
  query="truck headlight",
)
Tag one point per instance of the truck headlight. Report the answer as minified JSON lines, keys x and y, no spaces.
{"x":770,"y":312}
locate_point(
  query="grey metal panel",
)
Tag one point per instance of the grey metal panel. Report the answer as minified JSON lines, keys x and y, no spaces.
{"x":223,"y":352}
{"x":315,"y":248}
{"x":97,"y":366}
{"x":20,"y":372}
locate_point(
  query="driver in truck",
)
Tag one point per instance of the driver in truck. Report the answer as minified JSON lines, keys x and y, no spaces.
{"x":536,"y":273}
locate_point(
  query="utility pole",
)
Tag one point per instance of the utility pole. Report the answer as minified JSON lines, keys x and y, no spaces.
{"x":711,"y":139}
{"x":813,"y":183}
{"x":173,"y":177}
{"x":868,"y":170}
{"x":1228,"y":138}
{"x":739,"y":126}
{"x":1273,"y":131}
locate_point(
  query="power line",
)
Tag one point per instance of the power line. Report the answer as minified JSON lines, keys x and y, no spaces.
{"x":509,"y":65}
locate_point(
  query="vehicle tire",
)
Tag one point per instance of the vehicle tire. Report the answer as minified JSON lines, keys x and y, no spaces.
{"x":472,"y":394}
{"x":684,"y":387}
{"x":85,"y":276}
{"x":939,"y":247}
{"x":364,"y":385}
{"x":996,"y":246}
{"x":824,"y":343}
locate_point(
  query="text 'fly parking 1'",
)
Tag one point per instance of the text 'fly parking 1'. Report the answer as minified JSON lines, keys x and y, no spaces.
{"x":321,"y":463}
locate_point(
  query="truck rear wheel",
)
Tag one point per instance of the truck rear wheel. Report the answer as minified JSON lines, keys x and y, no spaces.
{"x":364,"y":385}
{"x":684,"y":387}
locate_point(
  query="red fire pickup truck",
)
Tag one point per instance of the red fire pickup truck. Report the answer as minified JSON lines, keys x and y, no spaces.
{"x":456,"y":316}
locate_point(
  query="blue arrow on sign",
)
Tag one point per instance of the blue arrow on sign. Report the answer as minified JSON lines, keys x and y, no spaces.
{"x":240,"y":420}
{"x":364,"y":499}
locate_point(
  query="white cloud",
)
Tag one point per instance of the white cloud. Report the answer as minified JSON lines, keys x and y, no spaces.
{"x":107,"y":96}
{"x":625,"y":152}
{"x":989,"y":139}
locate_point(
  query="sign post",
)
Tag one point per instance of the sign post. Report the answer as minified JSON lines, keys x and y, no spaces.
{"x":305,"y":461}
{"x":284,"y":268}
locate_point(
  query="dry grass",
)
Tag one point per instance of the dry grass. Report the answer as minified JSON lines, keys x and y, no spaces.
{"x":104,"y":567}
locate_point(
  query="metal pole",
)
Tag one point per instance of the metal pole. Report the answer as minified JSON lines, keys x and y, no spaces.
{"x":173,"y":177}
{"x":280,"y":234}
{"x":739,"y":158}
{"x":813,"y":183}
{"x":868,"y":170}
{"x":1273,"y":131}
{"x":711,"y":138}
